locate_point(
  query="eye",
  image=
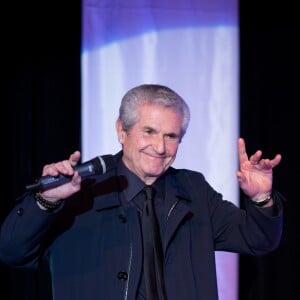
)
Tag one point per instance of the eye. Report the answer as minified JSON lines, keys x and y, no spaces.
{"x":172,"y":136}
{"x":148,"y":130}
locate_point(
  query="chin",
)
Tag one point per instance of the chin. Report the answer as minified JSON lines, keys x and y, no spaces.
{"x":155,"y":173}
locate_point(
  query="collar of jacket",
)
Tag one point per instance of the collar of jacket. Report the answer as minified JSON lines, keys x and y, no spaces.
{"x":105,"y":189}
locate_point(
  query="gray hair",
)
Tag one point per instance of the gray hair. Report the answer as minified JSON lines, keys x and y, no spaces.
{"x":152,"y":94}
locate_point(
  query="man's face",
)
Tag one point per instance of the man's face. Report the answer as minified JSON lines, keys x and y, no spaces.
{"x":150,"y":147}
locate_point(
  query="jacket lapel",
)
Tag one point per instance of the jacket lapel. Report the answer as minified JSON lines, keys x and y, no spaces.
{"x":177,"y":200}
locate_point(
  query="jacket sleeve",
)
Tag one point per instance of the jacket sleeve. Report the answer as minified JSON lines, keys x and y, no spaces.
{"x":22,"y":233}
{"x":251,"y":230}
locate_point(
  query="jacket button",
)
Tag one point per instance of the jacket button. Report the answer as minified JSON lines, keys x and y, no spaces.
{"x":20,"y":211}
{"x":122,"y":276}
{"x":122,"y":218}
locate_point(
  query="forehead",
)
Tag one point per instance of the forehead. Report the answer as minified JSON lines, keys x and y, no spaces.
{"x":155,"y":114}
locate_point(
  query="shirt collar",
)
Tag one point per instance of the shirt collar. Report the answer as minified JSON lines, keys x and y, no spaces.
{"x":131,"y":184}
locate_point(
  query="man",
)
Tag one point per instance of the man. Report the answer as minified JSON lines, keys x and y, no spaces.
{"x":92,"y":232}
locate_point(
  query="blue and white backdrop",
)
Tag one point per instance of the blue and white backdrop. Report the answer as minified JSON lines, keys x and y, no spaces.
{"x":190,"y":46}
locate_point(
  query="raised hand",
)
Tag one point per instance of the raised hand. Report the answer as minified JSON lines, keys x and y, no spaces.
{"x":255,"y":175}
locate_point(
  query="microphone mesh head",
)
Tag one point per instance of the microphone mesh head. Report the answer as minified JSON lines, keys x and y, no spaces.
{"x":104,"y":163}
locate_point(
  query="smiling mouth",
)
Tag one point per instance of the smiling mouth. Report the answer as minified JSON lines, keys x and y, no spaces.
{"x":155,"y":156}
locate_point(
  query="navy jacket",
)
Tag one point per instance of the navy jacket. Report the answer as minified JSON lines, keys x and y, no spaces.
{"x":93,"y":244}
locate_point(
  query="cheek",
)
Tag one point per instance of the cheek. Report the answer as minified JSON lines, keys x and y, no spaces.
{"x":172,"y":148}
{"x":131,"y":143}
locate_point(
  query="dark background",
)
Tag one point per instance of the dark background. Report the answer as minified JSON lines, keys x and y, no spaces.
{"x":40,"y":120}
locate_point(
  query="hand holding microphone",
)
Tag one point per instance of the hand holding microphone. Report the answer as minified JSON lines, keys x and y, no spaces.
{"x":57,"y":174}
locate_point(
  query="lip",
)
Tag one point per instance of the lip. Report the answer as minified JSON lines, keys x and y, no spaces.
{"x":155,"y":156}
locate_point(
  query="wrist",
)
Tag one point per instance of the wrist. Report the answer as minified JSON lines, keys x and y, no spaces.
{"x":47,"y":204}
{"x":262,"y":199}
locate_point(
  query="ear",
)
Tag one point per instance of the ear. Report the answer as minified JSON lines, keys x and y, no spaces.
{"x":120,"y":131}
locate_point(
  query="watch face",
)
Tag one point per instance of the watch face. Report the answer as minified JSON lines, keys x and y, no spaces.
{"x":262,"y":202}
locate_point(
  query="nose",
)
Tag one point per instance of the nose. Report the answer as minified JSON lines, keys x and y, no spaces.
{"x":159,"y":145}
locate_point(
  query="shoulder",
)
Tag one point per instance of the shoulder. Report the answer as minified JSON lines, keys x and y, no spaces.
{"x":186,"y":174}
{"x":189,"y":180}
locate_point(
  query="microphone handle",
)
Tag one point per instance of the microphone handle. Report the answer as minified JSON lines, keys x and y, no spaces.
{"x":48,"y":182}
{"x":98,"y":165}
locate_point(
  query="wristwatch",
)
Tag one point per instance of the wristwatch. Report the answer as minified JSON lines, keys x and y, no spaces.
{"x":262,"y":202}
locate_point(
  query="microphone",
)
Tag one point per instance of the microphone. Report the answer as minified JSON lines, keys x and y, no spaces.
{"x":97,"y":165}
